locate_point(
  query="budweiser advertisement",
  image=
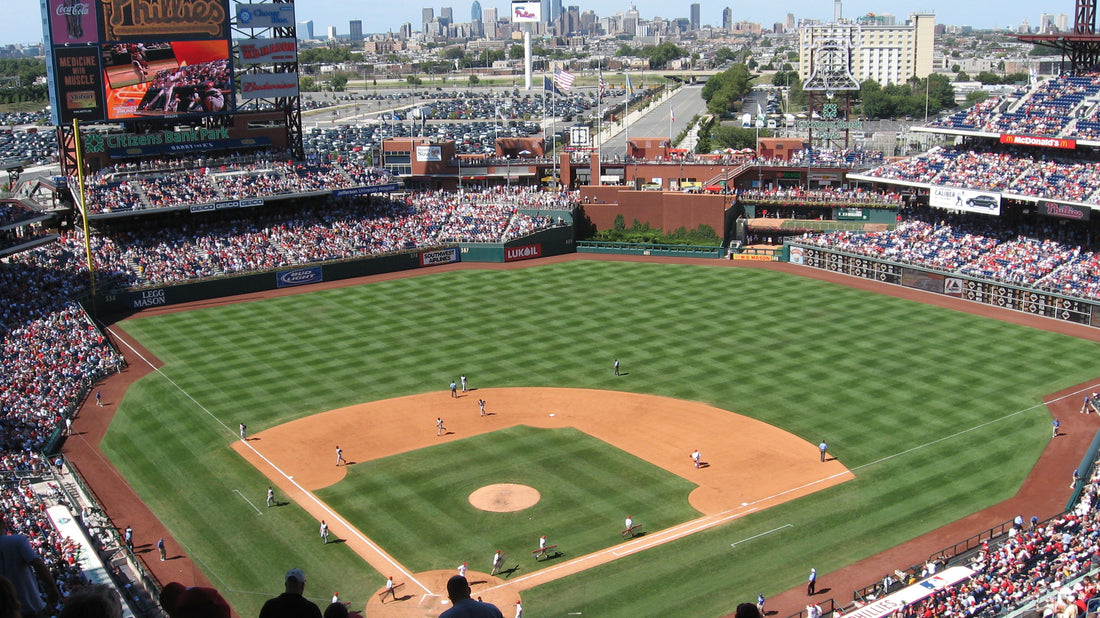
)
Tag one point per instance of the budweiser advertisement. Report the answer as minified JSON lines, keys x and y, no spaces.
{"x":269,"y":85}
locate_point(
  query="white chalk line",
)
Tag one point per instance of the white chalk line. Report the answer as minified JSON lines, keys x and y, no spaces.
{"x":719,"y":518}
{"x":756,"y":536}
{"x":238,"y":492}
{"x":324,"y":507}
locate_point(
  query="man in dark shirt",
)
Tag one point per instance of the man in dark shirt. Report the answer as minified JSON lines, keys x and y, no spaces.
{"x":458,"y":590}
{"x":291,"y":604}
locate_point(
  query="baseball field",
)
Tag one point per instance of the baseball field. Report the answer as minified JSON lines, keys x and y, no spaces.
{"x":931,"y":414}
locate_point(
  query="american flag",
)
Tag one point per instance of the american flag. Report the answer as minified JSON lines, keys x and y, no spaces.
{"x":563,"y":80}
{"x":603,"y":85}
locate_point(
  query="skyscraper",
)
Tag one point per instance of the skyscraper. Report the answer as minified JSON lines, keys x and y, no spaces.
{"x":305,"y":30}
{"x":695,"y":16}
{"x":355,"y":30}
{"x":427,"y":16}
{"x":446,"y":16}
{"x":727,"y":19}
{"x":475,"y":11}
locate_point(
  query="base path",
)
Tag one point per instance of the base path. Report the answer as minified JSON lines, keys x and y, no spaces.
{"x":1037,"y":496}
{"x":299,"y":457}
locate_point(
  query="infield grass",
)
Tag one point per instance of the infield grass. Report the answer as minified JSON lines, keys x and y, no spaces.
{"x":937,"y":412}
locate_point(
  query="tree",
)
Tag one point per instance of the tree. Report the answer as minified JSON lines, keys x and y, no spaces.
{"x":730,"y":136}
{"x":305,"y":84}
{"x":474,"y":80}
{"x":726,"y":88}
{"x":962,"y":77}
{"x":515,"y":52}
{"x":338,"y":82}
{"x":723,"y":54}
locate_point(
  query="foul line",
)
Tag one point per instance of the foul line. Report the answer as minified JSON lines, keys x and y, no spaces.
{"x":324,"y":507}
{"x":658,"y":538}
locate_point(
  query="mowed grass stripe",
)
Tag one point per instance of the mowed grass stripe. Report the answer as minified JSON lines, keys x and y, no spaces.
{"x":587,"y":488}
{"x":875,"y":375}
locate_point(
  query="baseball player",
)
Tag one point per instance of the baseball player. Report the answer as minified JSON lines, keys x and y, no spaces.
{"x":462,"y":380}
{"x":324,"y":532}
{"x":270,"y":496}
{"x":462,"y":568}
{"x":696,"y":456}
{"x":481,"y":404}
{"x":439,"y":428}
{"x":498,"y":562}
{"x":244,"y":431}
{"x":340,"y":456}
{"x":389,"y":589}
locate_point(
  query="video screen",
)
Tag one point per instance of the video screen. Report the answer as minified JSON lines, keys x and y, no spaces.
{"x":126,"y":64}
{"x":167,"y":80}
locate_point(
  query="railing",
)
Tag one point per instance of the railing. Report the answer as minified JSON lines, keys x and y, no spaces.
{"x":633,"y":248}
{"x":826,"y":225}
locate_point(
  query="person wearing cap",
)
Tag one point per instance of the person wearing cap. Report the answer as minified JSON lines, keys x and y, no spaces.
{"x":195,"y":602}
{"x":696,"y":457}
{"x":498,"y":562}
{"x":20,"y":563}
{"x":291,"y":603}
{"x":462,"y":568}
{"x":519,"y":609}
{"x":390,"y":590}
{"x":458,"y":591}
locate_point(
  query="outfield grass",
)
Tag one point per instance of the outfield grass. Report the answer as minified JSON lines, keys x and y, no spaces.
{"x":874,"y":375}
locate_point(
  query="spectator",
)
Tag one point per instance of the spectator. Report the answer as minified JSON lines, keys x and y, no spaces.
{"x":291,"y":603}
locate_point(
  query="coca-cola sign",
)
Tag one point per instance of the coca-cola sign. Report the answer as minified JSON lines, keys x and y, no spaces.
{"x":72,"y":21}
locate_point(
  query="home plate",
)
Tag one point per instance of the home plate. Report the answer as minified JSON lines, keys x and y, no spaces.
{"x":744,"y":504}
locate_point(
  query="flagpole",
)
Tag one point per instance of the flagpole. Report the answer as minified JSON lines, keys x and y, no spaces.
{"x":599,"y":121}
{"x":626,"y":119}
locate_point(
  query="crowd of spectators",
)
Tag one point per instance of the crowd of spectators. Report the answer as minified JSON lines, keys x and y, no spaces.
{"x":51,"y":353}
{"x":1040,"y":255}
{"x":1064,"y":106}
{"x":330,"y":229}
{"x":1006,"y":170}
{"x":149,"y":185}
{"x":1041,"y":566}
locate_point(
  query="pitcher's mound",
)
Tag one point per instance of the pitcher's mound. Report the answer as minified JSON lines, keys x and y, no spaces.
{"x":505,"y":497}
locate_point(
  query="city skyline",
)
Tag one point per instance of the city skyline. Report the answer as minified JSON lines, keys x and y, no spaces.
{"x":23,"y":25}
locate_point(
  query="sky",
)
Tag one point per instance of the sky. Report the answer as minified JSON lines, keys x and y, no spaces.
{"x":22,"y":22}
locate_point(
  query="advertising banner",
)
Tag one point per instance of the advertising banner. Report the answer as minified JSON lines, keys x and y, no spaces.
{"x":267,"y":51}
{"x":1064,"y":211}
{"x":161,"y":80}
{"x":269,"y":85}
{"x":954,"y":198}
{"x":886,"y":606}
{"x":429,"y":153}
{"x":1045,"y":142}
{"x":301,"y":276}
{"x":442,"y":256}
{"x":164,"y":20}
{"x":79,"y":84}
{"x":265,"y":15}
{"x":526,"y":12}
{"x":524,"y":252}
{"x":72,"y":22}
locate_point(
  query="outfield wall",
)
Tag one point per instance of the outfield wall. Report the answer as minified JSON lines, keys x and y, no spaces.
{"x":553,"y":241}
{"x":1026,"y":300}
